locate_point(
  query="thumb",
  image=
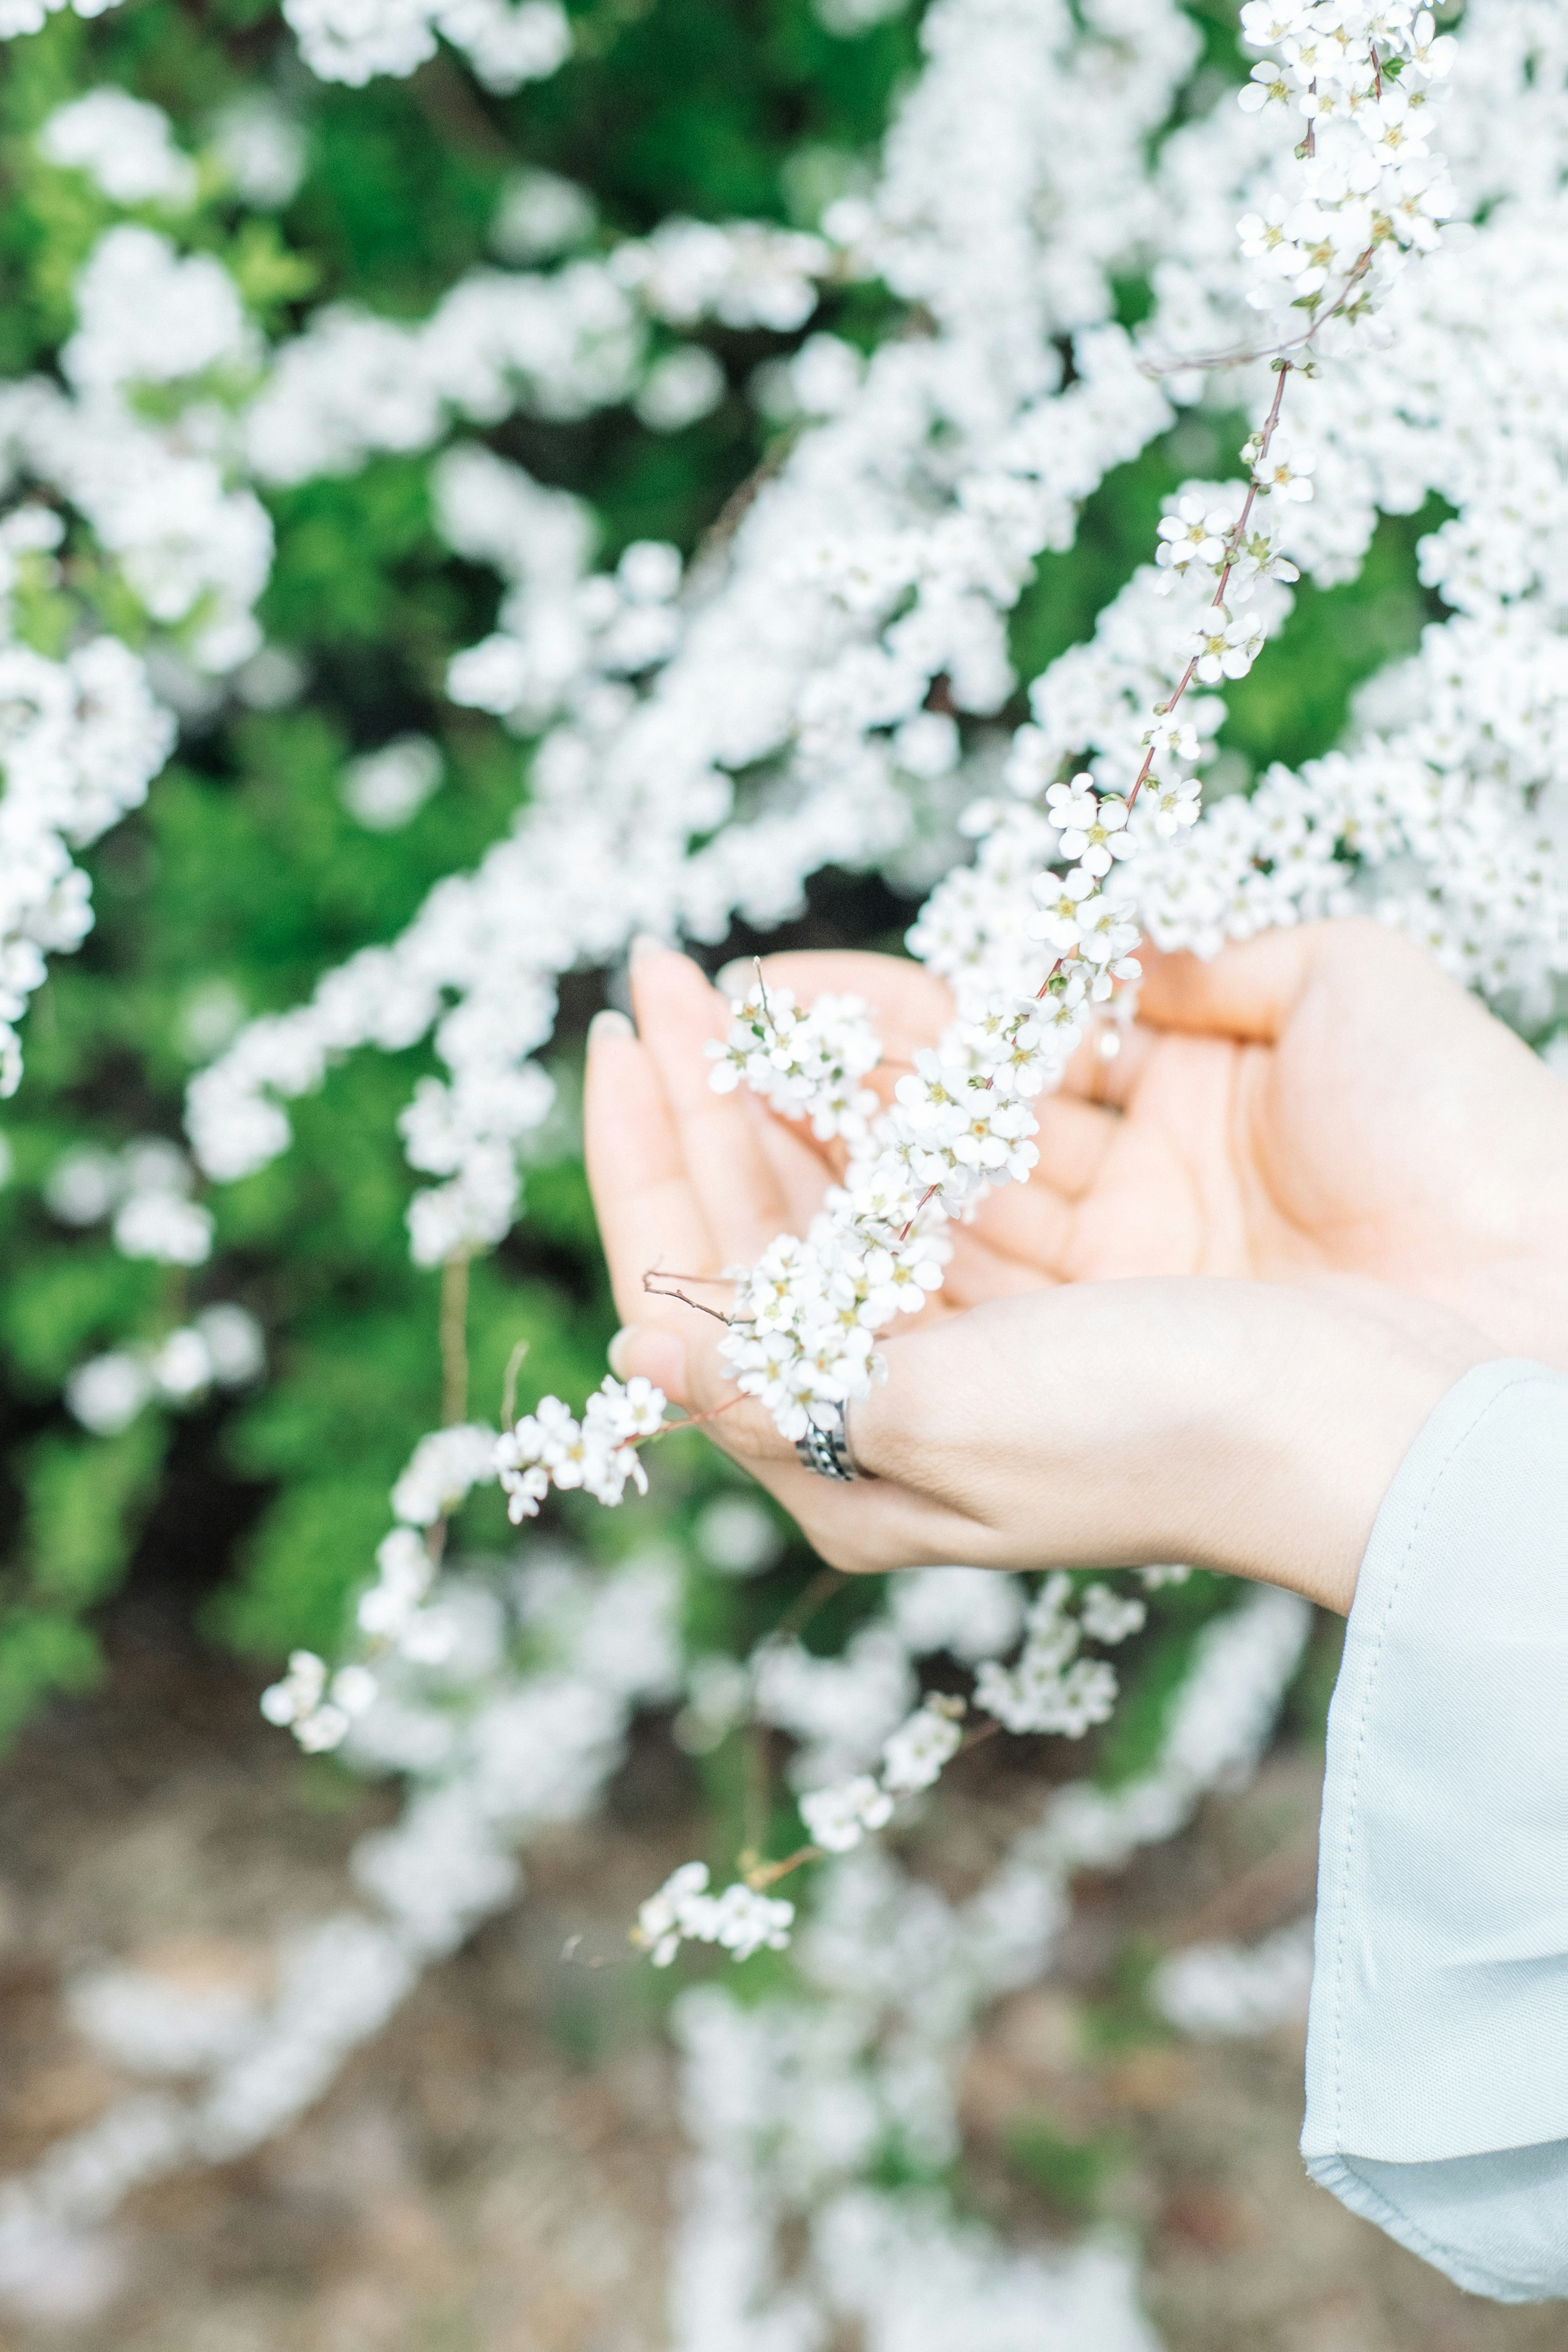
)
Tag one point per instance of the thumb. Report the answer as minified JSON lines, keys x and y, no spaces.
{"x":656,"y":1354}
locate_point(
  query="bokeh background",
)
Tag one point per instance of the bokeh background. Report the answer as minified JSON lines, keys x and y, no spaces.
{"x":500,"y":2166}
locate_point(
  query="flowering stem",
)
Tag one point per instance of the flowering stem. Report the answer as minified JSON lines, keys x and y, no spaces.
{"x":454,"y":1338}
{"x":1283,"y":369}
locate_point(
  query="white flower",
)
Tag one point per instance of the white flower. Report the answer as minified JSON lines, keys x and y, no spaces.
{"x":1396,"y":132}
{"x":1172,"y":802}
{"x":1070,"y":805}
{"x":1286,"y":469}
{"x":1172,"y":735}
{"x":161,"y":1226}
{"x":107,"y":1392}
{"x":838,"y":1818}
{"x":1194,"y":533}
{"x":1224,"y":645}
{"x":1431,"y":53}
{"x":1096,"y":844}
{"x":1271,"y":85}
{"x":914,"y":1754}
{"x":1067,"y":908}
{"x":1107,"y":1617}
{"x":661,"y":1920}
{"x":299,"y":1702}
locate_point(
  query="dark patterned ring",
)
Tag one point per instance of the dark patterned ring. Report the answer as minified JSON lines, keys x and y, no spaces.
{"x":824,"y":1448}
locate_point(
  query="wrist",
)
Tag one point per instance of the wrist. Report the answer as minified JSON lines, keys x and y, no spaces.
{"x":1321,"y":1395}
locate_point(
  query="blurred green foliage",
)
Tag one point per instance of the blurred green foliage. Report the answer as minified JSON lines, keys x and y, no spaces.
{"x":1071,"y":2175}
{"x":246,"y":877}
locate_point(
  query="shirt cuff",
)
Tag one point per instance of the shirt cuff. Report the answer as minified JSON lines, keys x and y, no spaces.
{"x":1438,"y":2024}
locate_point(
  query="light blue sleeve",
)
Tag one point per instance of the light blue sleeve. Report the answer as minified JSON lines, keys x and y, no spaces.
{"x":1437,"y":2041}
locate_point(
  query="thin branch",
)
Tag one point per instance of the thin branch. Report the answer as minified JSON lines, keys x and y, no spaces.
{"x":768,"y":1873}
{"x":670,"y":1273}
{"x":803,"y":1608}
{"x":812,"y":1597}
{"x":509,"y":1385}
{"x":649,"y":1281}
{"x":1186,"y":361}
{"x":454,"y":1338}
{"x":693,"y":1419}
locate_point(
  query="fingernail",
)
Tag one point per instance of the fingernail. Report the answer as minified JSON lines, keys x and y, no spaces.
{"x":735,"y":977}
{"x":616,"y":1350}
{"x":646,"y":944}
{"x":609,"y":1024}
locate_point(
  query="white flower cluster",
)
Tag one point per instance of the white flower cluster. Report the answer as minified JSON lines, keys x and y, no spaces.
{"x":775,"y":672}
{"x":806,"y":1064}
{"x":80,"y":740}
{"x":506,"y":42}
{"x":1051,"y":1688}
{"x":794,"y":2102}
{"x":804,"y":1322}
{"x":31,"y":16}
{"x":559,"y":343}
{"x":317,"y":1708}
{"x":861,"y":1748}
{"x":146,"y":1187}
{"x":124,"y":145}
{"x":1358,"y":82}
{"x":393,"y":1613}
{"x":837,"y":1817}
{"x":222,"y":1347}
{"x":1215,"y":1990}
{"x":550,"y":1448}
{"x":739,"y":1921}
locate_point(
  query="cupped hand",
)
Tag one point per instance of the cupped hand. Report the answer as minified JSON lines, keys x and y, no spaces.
{"x":1249,"y":1425}
{"x":1316,"y":1103}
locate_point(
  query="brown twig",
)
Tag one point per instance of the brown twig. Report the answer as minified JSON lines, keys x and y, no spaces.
{"x":454,"y":1338}
{"x":763,"y":1874}
{"x":649,"y":1281}
{"x":509,"y":1384}
{"x":694,"y":1419}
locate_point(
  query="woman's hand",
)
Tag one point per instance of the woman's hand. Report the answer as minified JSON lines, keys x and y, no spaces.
{"x":1249,"y":1426}
{"x":1318,"y":1102}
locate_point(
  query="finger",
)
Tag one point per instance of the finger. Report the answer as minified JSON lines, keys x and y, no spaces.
{"x":731,"y":1175}
{"x":910,"y":1005}
{"x":648,"y":1212}
{"x":802,"y":1165}
{"x":983,"y":1266}
{"x":867,"y":1526}
{"x":1106,"y":1080}
{"x":1248,"y":991}
{"x":862,"y":1525}
{"x":1072,"y":1140}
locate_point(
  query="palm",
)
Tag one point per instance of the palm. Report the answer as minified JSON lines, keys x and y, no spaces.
{"x":1314,"y":1105}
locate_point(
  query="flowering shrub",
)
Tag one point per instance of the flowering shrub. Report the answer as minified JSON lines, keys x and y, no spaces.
{"x":420,"y":575}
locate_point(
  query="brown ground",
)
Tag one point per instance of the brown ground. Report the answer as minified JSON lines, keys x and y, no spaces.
{"x":491,"y":2174}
